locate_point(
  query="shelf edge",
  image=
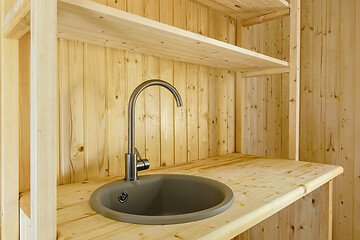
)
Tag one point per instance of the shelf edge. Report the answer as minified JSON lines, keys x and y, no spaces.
{"x":17,"y":21}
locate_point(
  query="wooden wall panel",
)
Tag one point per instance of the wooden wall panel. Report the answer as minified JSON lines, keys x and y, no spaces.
{"x":329,"y":97}
{"x":95,"y":84}
{"x":265,"y":117}
{"x":94,"y":111}
{"x":329,"y":117}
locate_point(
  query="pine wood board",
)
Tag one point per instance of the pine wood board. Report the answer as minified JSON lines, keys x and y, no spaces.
{"x":91,"y":22}
{"x":262,"y":186}
{"x":248,"y":9}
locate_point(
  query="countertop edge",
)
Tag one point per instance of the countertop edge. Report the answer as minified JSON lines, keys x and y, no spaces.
{"x":237,"y":227}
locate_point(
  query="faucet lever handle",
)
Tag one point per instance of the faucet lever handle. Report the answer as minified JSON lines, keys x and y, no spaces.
{"x":138,"y":156}
{"x":142,"y":164}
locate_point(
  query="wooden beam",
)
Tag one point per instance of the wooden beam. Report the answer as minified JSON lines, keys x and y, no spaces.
{"x":43,"y":133}
{"x":17,"y":21}
{"x":265,"y":72}
{"x":9,"y":134}
{"x":266,"y":17}
{"x":294,"y":85}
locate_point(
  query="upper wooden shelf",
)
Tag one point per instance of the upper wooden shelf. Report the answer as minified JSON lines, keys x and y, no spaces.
{"x":90,"y":22}
{"x":246,"y":10}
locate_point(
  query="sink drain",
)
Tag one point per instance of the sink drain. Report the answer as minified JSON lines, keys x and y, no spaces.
{"x":123,"y":197}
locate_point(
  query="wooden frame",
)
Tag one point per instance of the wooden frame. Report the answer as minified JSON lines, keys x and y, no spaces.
{"x":294,"y":85}
{"x":44,"y":148}
{"x":9,"y":134}
{"x":43,"y":124}
{"x":43,"y":118}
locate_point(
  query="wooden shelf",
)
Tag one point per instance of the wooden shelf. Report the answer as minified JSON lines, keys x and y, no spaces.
{"x":246,"y":10}
{"x":87,"y":21}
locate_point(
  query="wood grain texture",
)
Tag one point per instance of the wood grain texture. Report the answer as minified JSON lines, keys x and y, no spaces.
{"x":44,"y":114}
{"x":246,"y":9}
{"x":321,"y":92}
{"x":256,"y":198}
{"x":24,"y":112}
{"x":9,"y":132}
{"x":94,"y":111}
{"x":330,"y":33}
{"x":95,"y":84}
{"x":265,"y":114}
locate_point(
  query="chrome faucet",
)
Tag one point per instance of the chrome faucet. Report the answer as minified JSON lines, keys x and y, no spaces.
{"x":133,"y":160}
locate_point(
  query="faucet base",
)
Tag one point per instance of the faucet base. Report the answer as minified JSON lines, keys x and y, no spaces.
{"x":130,"y":167}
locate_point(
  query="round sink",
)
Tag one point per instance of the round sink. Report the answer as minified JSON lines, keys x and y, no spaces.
{"x":162,"y":199}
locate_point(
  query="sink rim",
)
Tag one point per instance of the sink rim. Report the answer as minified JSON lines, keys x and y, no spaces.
{"x":170,"y":219}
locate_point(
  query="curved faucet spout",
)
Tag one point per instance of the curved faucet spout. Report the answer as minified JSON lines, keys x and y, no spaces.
{"x":131,"y":170}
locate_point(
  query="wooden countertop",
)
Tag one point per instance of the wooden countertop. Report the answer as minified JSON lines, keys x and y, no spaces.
{"x":262,"y":186}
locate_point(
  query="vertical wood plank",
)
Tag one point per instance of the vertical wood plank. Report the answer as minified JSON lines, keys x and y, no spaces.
{"x":306,"y":85}
{"x":152,"y":95}
{"x":180,"y":117}
{"x":116,"y":105}
{"x":213,"y":121}
{"x":24,"y":114}
{"x":263,"y":104}
{"x":9,"y":133}
{"x":213,"y":83}
{"x":71,"y":68}
{"x":239,"y":98}
{"x":356,"y":233}
{"x":222,"y":107}
{"x":347,"y":117}
{"x":332,"y":92}
{"x":203,"y":92}
{"x":44,"y":119}
{"x":285,"y":89}
{"x":231,"y":92}
{"x":276,"y":50}
{"x":203,"y":89}
{"x":94,"y":111}
{"x":192,"y":112}
{"x":166,"y":98}
{"x":318,"y":96}
{"x":294,"y":86}
{"x":192,"y":89}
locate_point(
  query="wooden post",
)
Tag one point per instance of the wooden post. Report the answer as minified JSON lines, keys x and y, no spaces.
{"x":294,"y":85}
{"x":326,"y":211}
{"x":9,"y":133}
{"x":239,"y":97}
{"x":43,"y":117}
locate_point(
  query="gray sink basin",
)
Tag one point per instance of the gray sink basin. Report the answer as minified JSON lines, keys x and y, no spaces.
{"x":162,"y":199}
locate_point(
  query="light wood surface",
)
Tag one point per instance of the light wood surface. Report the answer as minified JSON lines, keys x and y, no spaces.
{"x":24,"y":112}
{"x":44,"y":121}
{"x":247,"y":9}
{"x":9,"y":132}
{"x":17,"y":20}
{"x":256,"y":198}
{"x":266,"y":17}
{"x":294,"y":80}
{"x":87,"y":21}
{"x":179,"y":45}
{"x":123,"y":71}
{"x":330,"y":121}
